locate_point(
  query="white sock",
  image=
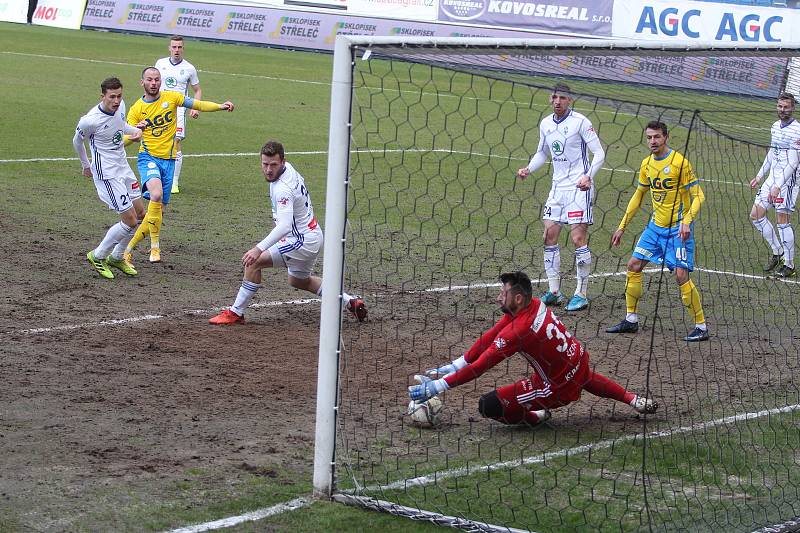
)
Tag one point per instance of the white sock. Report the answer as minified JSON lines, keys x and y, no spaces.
{"x":786,"y":232}
{"x":345,"y":296}
{"x":701,"y":327}
{"x":246,"y":293}
{"x":119,"y":249}
{"x":764,"y":227}
{"x":583,"y":267}
{"x":552,"y":267}
{"x":632,"y":317}
{"x":176,"y":174}
{"x":114,"y":235}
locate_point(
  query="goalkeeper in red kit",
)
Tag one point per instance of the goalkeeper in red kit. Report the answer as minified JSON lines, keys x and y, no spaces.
{"x":560,"y":361}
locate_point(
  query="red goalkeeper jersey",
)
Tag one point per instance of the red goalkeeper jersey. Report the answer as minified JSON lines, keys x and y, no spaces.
{"x":535,"y":333}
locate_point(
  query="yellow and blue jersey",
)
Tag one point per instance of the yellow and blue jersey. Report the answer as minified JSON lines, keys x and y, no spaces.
{"x":158,"y":138}
{"x":672,"y":184}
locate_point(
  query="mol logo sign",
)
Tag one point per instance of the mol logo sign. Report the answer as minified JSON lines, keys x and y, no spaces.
{"x":701,"y":22}
{"x":60,"y":13}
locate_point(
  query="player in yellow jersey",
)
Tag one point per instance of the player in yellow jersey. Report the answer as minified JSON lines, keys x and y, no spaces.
{"x":669,"y":236}
{"x":156,"y":112}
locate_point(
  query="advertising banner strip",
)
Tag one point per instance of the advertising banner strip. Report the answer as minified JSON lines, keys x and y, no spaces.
{"x":593,"y":17}
{"x":261,"y":25}
{"x":57,"y":13}
{"x":704,"y":22}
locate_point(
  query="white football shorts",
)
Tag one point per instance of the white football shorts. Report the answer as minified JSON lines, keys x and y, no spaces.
{"x":298,"y":255}
{"x":118,"y":193}
{"x":786,"y":202}
{"x":569,"y":206}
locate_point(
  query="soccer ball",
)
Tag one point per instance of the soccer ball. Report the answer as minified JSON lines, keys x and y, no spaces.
{"x":426,"y":414}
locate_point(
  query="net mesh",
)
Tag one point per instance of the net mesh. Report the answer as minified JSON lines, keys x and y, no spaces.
{"x":436,"y":213}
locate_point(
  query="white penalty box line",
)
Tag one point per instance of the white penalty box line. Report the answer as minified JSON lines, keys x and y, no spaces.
{"x":306,"y":301}
{"x":361,"y":151}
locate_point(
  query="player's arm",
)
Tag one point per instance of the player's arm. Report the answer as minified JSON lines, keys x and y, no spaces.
{"x":697,"y":198}
{"x":198,"y":95}
{"x":486,"y":360}
{"x":80,"y":149}
{"x":132,"y":122}
{"x":538,"y":159}
{"x":765,"y":166}
{"x":592,"y":141}
{"x":283,"y":225}
{"x":132,"y":134}
{"x":429,"y":388}
{"x":633,"y":206}
{"x":480,"y":345}
{"x":204,"y":105}
{"x":786,"y":175}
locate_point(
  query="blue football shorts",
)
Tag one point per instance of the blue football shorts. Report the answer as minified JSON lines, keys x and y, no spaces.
{"x":664,"y":245}
{"x":156,"y":168}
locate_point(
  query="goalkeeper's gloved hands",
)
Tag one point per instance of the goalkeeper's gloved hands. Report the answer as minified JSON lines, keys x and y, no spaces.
{"x":427,"y":388}
{"x":447,"y":369}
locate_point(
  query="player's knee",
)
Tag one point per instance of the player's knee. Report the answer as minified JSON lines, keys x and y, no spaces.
{"x":489,"y":406}
{"x":635,"y":265}
{"x":299,"y":283}
{"x":130,"y":218}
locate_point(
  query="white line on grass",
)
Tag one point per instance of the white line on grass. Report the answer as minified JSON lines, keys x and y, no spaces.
{"x":259,"y":514}
{"x":304,"y":301}
{"x":363,"y":151}
{"x":458,"y":472}
{"x":143,"y":318}
{"x":536,"y":459}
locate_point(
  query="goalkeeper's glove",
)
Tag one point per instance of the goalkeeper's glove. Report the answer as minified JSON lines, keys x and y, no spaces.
{"x":449,"y":368}
{"x":427,"y":388}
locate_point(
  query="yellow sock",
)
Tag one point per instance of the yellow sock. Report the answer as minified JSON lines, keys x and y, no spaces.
{"x":691,"y":299}
{"x":633,"y":290}
{"x":140,"y":234}
{"x":153,"y":219}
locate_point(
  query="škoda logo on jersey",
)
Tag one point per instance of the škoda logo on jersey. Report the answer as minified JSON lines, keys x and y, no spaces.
{"x":158,"y":123}
{"x":557,"y":147}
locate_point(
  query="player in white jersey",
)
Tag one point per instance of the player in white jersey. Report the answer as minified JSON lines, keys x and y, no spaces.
{"x":178,"y":75}
{"x":779,"y":190}
{"x":294,"y":242}
{"x":104,"y":127}
{"x":565,"y":136}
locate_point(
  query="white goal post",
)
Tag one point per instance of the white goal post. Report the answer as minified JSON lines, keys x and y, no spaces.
{"x":524,"y":62}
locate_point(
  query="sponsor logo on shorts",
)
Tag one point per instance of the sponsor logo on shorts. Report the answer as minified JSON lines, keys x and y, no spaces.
{"x":641,"y":251}
{"x":500,"y":343}
{"x":575,"y":214}
{"x":778,"y":200}
{"x":135,"y":185}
